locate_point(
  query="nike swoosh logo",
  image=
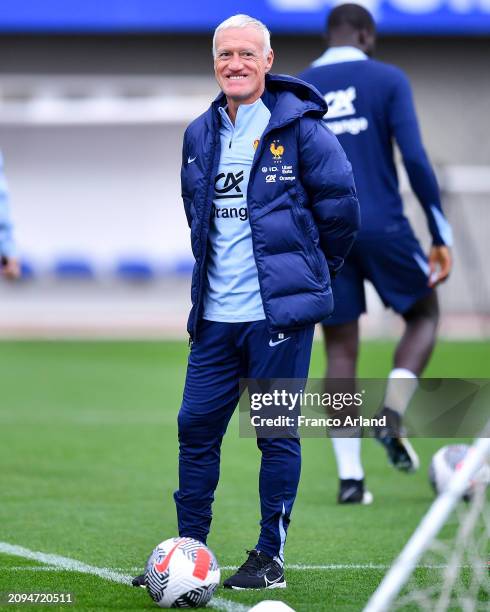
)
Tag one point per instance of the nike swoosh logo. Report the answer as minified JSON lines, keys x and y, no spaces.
{"x":269,"y":582}
{"x":191,"y":159}
{"x":163,"y":565}
{"x":272,"y":343}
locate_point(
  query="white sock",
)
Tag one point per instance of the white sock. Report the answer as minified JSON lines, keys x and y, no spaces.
{"x":348,"y":456}
{"x":399,"y":392}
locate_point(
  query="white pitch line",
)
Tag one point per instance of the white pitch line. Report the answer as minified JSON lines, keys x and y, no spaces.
{"x":329,"y":566}
{"x":347,"y":566}
{"x":72,"y":565}
{"x":30,"y":568}
{"x":295,"y":567}
{"x":65,"y":563}
{"x":227,"y":606}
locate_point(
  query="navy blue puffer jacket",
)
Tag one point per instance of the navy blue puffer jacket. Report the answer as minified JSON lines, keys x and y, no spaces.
{"x":303,"y":221}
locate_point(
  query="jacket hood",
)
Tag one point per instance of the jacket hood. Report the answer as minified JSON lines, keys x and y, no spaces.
{"x":306,"y":93}
{"x":291,"y":98}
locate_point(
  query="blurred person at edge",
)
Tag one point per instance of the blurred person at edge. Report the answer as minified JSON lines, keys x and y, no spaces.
{"x":271,"y":203}
{"x":9,"y":266}
{"x":370,"y":107}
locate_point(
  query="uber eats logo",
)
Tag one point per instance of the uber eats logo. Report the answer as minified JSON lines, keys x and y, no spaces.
{"x":228,"y":185}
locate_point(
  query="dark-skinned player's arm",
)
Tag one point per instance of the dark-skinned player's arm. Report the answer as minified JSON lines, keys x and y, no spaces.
{"x":404,"y":125}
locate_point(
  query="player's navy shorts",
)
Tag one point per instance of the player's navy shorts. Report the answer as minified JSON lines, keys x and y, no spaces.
{"x":397,"y":267}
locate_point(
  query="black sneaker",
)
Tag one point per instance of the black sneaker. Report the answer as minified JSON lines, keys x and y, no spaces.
{"x":258,"y":572}
{"x":353,"y":492}
{"x":139,"y":581}
{"x":400,"y":452}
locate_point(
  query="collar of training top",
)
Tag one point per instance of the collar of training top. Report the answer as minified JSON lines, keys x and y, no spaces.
{"x":286,"y":97}
{"x":336,"y":55}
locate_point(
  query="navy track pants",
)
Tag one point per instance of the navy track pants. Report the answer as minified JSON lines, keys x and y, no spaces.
{"x":222,"y":354}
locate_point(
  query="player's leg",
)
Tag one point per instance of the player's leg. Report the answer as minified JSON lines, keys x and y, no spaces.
{"x":274,"y":357}
{"x":398,"y":268}
{"x":210,"y":397}
{"x":417,"y":343}
{"x":341,"y":336}
{"x":413,"y":352}
{"x":411,"y":356}
{"x":342,"y":347}
{"x":281,"y":457}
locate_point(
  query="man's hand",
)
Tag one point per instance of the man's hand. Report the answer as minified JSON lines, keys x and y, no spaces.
{"x":440,"y":263}
{"x":10,"y":268}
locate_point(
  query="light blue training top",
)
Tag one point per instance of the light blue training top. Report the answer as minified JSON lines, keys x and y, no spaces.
{"x":232,"y":293}
{"x":7,"y":246}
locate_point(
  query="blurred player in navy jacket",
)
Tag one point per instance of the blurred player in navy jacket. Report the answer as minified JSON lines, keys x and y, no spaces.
{"x":370,"y":106}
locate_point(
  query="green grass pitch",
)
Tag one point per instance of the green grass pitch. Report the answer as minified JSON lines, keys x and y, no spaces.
{"x":88,"y":465}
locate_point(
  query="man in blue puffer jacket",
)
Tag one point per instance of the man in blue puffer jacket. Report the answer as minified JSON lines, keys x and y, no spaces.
{"x":271,"y":203}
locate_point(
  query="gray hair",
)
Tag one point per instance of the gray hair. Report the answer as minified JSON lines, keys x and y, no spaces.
{"x":244,"y":21}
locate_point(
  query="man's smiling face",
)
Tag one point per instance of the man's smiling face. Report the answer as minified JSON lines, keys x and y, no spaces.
{"x":240,"y":65}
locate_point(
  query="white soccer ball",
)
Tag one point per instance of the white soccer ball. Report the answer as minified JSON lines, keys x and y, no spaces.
{"x":181,"y":573}
{"x":448,"y":460}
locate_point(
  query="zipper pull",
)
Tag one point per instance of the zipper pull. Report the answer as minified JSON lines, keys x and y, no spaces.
{"x":191,"y":341}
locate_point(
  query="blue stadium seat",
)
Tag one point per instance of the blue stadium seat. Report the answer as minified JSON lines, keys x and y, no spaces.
{"x":27,"y":269}
{"x":135,"y":270}
{"x":74,"y":269}
{"x":183,"y":267}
